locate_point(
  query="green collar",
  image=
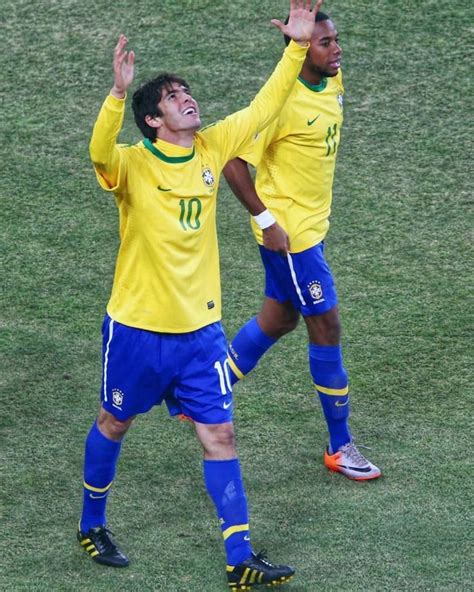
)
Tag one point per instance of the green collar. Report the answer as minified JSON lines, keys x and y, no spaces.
{"x":162,"y":156}
{"x":314,"y":87}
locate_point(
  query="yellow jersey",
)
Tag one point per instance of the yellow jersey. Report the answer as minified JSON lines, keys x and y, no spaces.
{"x":295,"y":158}
{"x":167,"y":276}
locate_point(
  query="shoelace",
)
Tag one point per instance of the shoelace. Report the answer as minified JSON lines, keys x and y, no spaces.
{"x":104,"y":541}
{"x":356,"y":457}
{"x":262,"y":556}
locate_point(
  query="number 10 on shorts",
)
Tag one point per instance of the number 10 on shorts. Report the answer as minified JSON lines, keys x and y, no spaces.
{"x":224,"y":378}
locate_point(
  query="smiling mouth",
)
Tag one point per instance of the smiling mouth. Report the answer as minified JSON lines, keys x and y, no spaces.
{"x":190,"y":111}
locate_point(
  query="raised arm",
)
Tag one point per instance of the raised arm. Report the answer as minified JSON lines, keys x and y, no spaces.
{"x":123,"y":66}
{"x":300,"y":21}
{"x":271,"y":97}
{"x":238,"y":177}
{"x":102,"y":148}
{"x":233,"y":133}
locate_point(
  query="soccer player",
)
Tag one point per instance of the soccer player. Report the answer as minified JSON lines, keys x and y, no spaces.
{"x":162,"y":336}
{"x":295,"y":159}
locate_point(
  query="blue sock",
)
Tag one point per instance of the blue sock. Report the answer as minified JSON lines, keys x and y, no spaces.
{"x":224,"y":484}
{"x":330,"y":380}
{"x":100,"y":460}
{"x":246,"y":349}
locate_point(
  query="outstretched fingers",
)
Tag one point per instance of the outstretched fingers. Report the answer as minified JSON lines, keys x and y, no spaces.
{"x":122,"y":41}
{"x":317,"y":6}
{"x":123,"y":66}
{"x":119,"y":51}
{"x":301,"y":20}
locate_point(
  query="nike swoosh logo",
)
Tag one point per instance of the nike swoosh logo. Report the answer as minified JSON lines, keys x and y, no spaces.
{"x":246,"y":537}
{"x":361,"y":470}
{"x":339,"y":404}
{"x":97,"y":496}
{"x":311,"y":121}
{"x":160,"y":188}
{"x":227,"y":405}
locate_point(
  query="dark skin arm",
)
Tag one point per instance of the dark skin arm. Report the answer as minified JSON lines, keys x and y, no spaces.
{"x":238,"y":177}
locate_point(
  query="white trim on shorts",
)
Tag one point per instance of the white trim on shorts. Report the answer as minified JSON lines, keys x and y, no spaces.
{"x":295,"y":280}
{"x":106,"y":356}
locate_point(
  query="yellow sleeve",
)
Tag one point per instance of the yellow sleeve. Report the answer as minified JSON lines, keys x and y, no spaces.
{"x":254,"y":151}
{"x":103,"y":150}
{"x":232,"y":134}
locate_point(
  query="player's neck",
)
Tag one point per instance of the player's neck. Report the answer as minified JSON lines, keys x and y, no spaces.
{"x":310,"y":76}
{"x":184,"y":138}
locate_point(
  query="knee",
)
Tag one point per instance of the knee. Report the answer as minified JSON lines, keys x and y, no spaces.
{"x":325,"y":329}
{"x":111,"y":427}
{"x":333,"y":331}
{"x":224,"y":437}
{"x":218,"y":441}
{"x":331,"y":327}
{"x":289,"y":324}
{"x":277,"y":326}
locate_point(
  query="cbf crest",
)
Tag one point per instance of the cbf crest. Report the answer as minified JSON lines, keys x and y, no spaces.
{"x":117,"y":398}
{"x":316,"y":291}
{"x":208,"y":177}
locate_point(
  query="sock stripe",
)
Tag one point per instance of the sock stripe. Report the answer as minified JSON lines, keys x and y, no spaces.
{"x":228,"y":532}
{"x":97,"y":489}
{"x":331,"y":391}
{"x":234,"y":368}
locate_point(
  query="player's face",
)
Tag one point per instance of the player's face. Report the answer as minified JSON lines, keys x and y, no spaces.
{"x":180,"y":111}
{"x":324,"y":54}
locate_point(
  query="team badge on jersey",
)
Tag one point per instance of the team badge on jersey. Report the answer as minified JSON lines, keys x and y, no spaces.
{"x":208,"y":177}
{"x":117,"y":398}
{"x":316,"y":291}
{"x":340,"y":100}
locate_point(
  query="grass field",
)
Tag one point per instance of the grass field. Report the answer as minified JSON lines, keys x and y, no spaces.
{"x":401,"y":252}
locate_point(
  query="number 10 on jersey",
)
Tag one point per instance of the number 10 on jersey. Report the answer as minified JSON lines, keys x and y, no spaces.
{"x":189,"y":212}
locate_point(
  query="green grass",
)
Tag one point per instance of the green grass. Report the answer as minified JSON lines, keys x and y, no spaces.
{"x":401,"y":252}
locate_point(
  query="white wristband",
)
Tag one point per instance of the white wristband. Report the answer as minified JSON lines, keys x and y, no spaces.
{"x":264,"y":219}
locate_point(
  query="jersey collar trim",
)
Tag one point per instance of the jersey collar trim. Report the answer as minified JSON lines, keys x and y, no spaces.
{"x":162,"y":156}
{"x":314,"y":87}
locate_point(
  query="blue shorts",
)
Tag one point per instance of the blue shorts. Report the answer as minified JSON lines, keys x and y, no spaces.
{"x":304,"y":279}
{"x":189,"y":371}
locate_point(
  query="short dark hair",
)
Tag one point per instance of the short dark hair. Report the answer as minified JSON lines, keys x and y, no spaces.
{"x":320,"y":16}
{"x":146,"y":98}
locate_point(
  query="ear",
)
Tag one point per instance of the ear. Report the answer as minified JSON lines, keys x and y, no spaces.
{"x":155,"y":122}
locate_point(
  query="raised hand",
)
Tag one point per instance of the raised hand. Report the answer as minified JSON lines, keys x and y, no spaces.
{"x":123,"y":68}
{"x":301,"y":21}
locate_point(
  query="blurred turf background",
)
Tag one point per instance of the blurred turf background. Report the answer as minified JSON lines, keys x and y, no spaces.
{"x":400,"y":247}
